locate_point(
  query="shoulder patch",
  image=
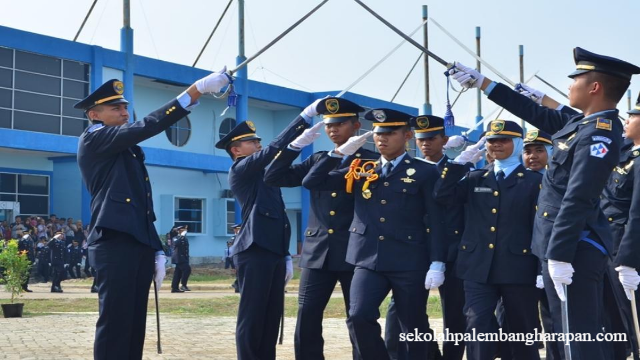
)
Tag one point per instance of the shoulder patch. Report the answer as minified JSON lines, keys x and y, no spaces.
{"x":601,"y":138}
{"x":95,"y":127}
{"x":599,"y":150}
{"x":603,"y":124}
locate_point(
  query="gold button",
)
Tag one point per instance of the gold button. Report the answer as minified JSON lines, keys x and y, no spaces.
{"x":409,"y":237}
{"x":334,"y":194}
{"x":380,"y":237}
{"x":404,"y":190}
{"x":330,"y":231}
{"x":495,"y":193}
{"x":491,"y":246}
{"x":610,"y":219}
{"x":146,"y":179}
{"x":309,"y":232}
{"x":493,"y":229}
{"x":332,"y":212}
{"x":128,"y":200}
{"x":536,"y":207}
{"x":493,"y":211}
{"x":616,"y":180}
{"x":386,"y":183}
{"x":173,"y":108}
{"x":456,"y":232}
{"x":428,"y":230}
{"x":540,"y":186}
{"x":167,"y":112}
{"x":383,"y":202}
{"x":442,"y":176}
{"x":382,"y":219}
{"x":545,"y":214}
{"x":464,"y":247}
{"x":524,"y":251}
{"x":354,"y":229}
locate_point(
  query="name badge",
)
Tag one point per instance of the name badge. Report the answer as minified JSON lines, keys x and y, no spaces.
{"x":482,"y":190}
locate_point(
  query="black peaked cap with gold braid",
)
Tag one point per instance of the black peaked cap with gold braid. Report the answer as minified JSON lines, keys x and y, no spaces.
{"x":428,"y":126}
{"x":336,"y":110}
{"x":387,"y":120}
{"x":242,"y":132}
{"x":537,"y":137}
{"x":635,"y":110}
{"x":107,"y":94}
{"x":499,"y":129}
{"x":587,"y":61}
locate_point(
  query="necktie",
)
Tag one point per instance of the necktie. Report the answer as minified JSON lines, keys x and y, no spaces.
{"x":386,"y":170}
{"x":500,"y":177}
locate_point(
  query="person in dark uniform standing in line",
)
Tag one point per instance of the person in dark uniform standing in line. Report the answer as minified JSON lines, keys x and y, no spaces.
{"x":395,"y":223}
{"x":123,"y":243}
{"x":74,"y":259}
{"x":180,"y":258}
{"x":57,"y":260}
{"x":327,"y":235}
{"x":26,"y":244}
{"x":229,"y":260}
{"x":571,"y":233}
{"x":432,"y":141}
{"x":495,"y":259}
{"x":262,"y":245}
{"x":44,"y":259}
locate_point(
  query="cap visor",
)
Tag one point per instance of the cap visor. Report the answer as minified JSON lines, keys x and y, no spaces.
{"x":384,"y":129}
{"x":428,"y":135}
{"x":577,"y":72}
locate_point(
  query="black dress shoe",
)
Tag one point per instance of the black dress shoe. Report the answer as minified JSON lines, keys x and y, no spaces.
{"x":27,"y":290}
{"x":177,"y":291}
{"x":94,"y":289}
{"x":184,"y":288}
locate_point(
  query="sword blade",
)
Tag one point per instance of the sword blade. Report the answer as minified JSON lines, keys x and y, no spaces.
{"x":634,"y":312}
{"x":564,"y":306}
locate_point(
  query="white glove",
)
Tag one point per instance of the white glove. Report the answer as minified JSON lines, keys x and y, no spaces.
{"x":435,"y":275}
{"x":26,"y":237}
{"x":308,"y":136}
{"x":561,"y":273}
{"x":477,"y":157}
{"x":78,"y":264}
{"x":531,"y":93}
{"x":66,"y":266}
{"x":353,"y":144}
{"x":183,"y":233}
{"x":58,"y":237}
{"x":629,"y":279}
{"x":454,"y":142}
{"x":312,"y":110}
{"x":160,"y":270}
{"x":288,"y":275}
{"x":470,"y":153}
{"x":539,"y":282}
{"x":467,"y":77}
{"x":213,"y":82}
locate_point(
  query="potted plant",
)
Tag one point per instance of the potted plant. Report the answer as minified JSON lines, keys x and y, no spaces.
{"x":16,"y":266}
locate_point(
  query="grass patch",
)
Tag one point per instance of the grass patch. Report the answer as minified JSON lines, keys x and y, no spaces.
{"x":218,"y":306}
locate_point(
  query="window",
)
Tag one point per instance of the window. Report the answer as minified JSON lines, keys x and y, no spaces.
{"x":231,"y":215}
{"x":226,"y":126}
{"x":189,"y":211}
{"x":180,"y":132}
{"x":31,"y":191}
{"x":37,"y":93}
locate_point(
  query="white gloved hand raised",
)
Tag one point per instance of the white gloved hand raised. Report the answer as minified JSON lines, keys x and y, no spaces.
{"x":471,"y":154}
{"x":435,"y":275}
{"x":531,"y":93}
{"x":213,"y":82}
{"x":467,"y":77}
{"x":288,"y":275}
{"x":312,"y":110}
{"x":629,"y":279}
{"x":308,"y":136}
{"x":454,"y":142}
{"x":539,"y":282}
{"x":160,"y":269}
{"x":561,"y":273}
{"x":353,"y":144}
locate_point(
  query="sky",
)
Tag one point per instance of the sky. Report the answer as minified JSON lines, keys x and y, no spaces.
{"x":338,"y":43}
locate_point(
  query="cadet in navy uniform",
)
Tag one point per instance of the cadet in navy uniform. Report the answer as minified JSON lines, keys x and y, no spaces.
{"x":57,"y":260}
{"x":495,"y":259}
{"x":262,"y":245}
{"x":44,"y":259}
{"x":74,"y":259}
{"x":571,"y":234}
{"x":432,"y":140}
{"x":390,"y":234}
{"x":123,"y":240}
{"x":26,"y":244}
{"x":325,"y":247}
{"x":180,"y":257}
{"x":621,"y":205}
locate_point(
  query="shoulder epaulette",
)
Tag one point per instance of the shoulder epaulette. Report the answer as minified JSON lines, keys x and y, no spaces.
{"x":95,"y":127}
